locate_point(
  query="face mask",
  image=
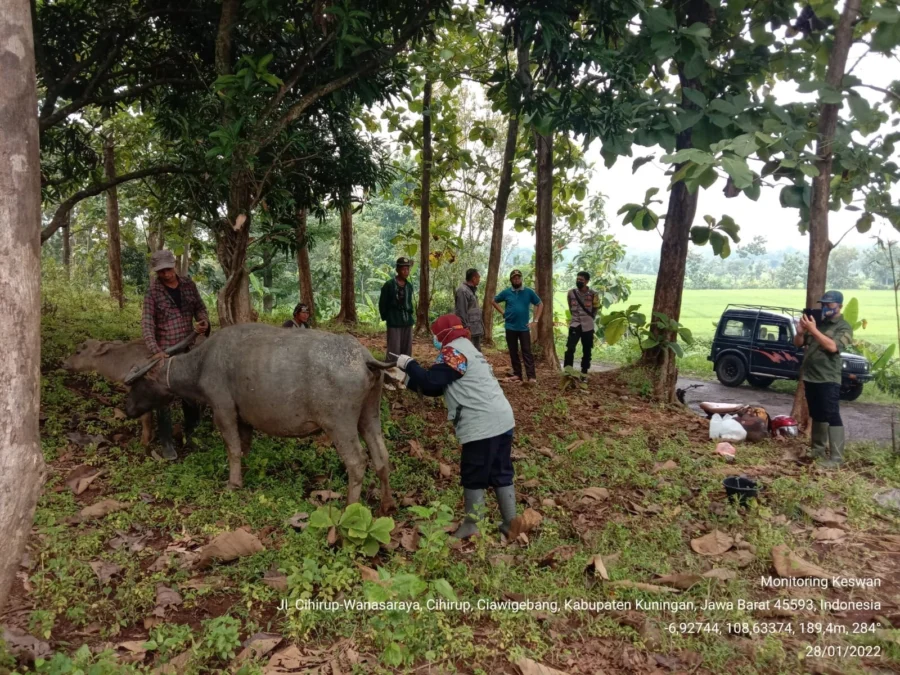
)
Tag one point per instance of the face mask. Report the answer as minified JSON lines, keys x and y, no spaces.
{"x":829,"y":312}
{"x":579,"y":284}
{"x":437,"y":343}
{"x":517,"y":284}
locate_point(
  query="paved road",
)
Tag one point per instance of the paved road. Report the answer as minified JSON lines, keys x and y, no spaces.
{"x":864,"y":421}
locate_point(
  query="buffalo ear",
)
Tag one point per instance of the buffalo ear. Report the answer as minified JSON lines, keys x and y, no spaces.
{"x":103,"y":348}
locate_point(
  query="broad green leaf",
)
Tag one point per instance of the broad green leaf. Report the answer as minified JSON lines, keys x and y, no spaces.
{"x":689,"y":155}
{"x":393,"y":655}
{"x":357,"y":517}
{"x":739,"y":171}
{"x":688,"y":118}
{"x":700,"y":30}
{"x":696,"y":97}
{"x":809,"y":170}
{"x":864,"y":224}
{"x":720,"y":245}
{"x":700,"y":235}
{"x":829,"y":95}
{"x":695,"y":67}
{"x":370,"y":547}
{"x":649,"y":194}
{"x":443,"y":587}
{"x":677,"y":349}
{"x":638,"y":220}
{"x":791,"y":196}
{"x":885,"y":14}
{"x":721,"y":106}
{"x":381,"y":530}
{"x":686,"y":335}
{"x":664,"y":45}
{"x":323,"y":517}
{"x":885,"y":357}
{"x":615,"y":329}
{"x":708,"y":178}
{"x":744,"y":145}
{"x":639,"y":162}
{"x":728,"y":225}
{"x":851,"y":311}
{"x":660,"y":20}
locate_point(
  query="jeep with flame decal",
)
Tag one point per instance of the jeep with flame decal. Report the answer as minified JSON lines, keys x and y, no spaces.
{"x":756,"y":343}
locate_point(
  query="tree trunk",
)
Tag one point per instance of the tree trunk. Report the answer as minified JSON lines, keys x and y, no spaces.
{"x":543,"y":229}
{"x":504,"y":188}
{"x":422,"y":323}
{"x":348,"y":288}
{"x":304,"y":271}
{"x":819,"y":243}
{"x":183,"y":261}
{"x":233,"y":237}
{"x":67,"y":244}
{"x":113,"y":240}
{"x":670,"y":279}
{"x":21,"y":459}
{"x":268,"y":298}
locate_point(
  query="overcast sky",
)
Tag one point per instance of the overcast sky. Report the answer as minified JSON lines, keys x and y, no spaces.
{"x":764,"y":217}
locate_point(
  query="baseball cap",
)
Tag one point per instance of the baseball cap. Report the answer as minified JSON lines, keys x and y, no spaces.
{"x":833,"y":296}
{"x":162,"y":260}
{"x":403,"y":261}
{"x":515,"y":273}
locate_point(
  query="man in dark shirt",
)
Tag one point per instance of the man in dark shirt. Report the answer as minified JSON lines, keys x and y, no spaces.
{"x":301,"y":317}
{"x":396,"y":308}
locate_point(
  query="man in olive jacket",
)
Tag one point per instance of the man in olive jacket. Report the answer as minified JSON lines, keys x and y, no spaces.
{"x":396,"y":308}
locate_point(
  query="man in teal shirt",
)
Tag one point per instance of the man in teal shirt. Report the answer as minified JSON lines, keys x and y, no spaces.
{"x":519,"y":299}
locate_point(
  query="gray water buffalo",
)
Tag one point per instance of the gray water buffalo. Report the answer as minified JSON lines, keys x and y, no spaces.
{"x":285,"y":383}
{"x":112,"y":360}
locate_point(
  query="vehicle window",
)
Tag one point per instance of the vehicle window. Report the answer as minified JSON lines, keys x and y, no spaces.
{"x":772,"y":332}
{"x":736,"y":328}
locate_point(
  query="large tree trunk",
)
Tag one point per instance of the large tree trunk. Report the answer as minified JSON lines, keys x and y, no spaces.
{"x":304,"y":270}
{"x":348,"y":289}
{"x":422,"y":323}
{"x":21,"y":460}
{"x":233,"y":237}
{"x":819,"y":243}
{"x":543,"y":230}
{"x":113,"y":240}
{"x":268,"y":297}
{"x":67,"y":244}
{"x":504,"y":188}
{"x":183,"y":260}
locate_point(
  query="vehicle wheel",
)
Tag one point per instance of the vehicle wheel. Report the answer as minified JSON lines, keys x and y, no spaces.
{"x":760,"y":381}
{"x":731,"y":370}
{"x":851,"y":392}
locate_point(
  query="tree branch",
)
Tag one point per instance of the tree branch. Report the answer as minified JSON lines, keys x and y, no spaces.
{"x":481,"y":200}
{"x":63,"y":210}
{"x":838,"y":242}
{"x":366,"y":66}
{"x":886,"y":92}
{"x":295,"y":76}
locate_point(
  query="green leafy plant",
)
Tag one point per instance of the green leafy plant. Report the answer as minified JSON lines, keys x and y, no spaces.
{"x":168,"y":639}
{"x":221,"y":638}
{"x":83,"y":662}
{"x":649,"y":335}
{"x":355,"y":526}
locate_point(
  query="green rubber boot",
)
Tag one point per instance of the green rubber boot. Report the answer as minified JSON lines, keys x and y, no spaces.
{"x":164,"y":434}
{"x":506,"y":500}
{"x":836,"y":440}
{"x":474,"y":509}
{"x":819,"y":435}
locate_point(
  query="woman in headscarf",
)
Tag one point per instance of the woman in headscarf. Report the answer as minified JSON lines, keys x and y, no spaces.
{"x":482,"y":418}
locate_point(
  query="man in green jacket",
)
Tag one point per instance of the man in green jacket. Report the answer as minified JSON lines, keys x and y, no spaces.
{"x":396,"y":308}
{"x":821,"y":371}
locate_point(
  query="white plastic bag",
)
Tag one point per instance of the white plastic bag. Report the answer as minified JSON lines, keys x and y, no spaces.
{"x":727,"y":428}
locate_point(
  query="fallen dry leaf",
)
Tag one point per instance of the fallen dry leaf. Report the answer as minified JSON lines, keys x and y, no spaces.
{"x":556,"y":556}
{"x":596,"y":493}
{"x":547,"y":503}
{"x":409,"y":539}
{"x":415,"y":449}
{"x":151,"y":622}
{"x":167,"y":597}
{"x":524,"y":523}
{"x":828,"y":534}
{"x":668,"y":465}
{"x":230,"y":546}
{"x":445,"y":469}
{"x":298,"y":521}
{"x":714,"y":543}
{"x":275,"y":579}
{"x":82,"y":439}
{"x":529,"y":667}
{"x":680,"y":581}
{"x":594,"y":569}
{"x":102,"y":508}
{"x":742,"y":557}
{"x":368,"y":574}
{"x":547,"y":452}
{"x":174,"y":666}
{"x":104,"y":570}
{"x":292,"y":660}
{"x":789,"y":564}
{"x":825,"y":516}
{"x":133,"y":646}
{"x":119,"y":414}
{"x":332,"y":536}
{"x":575,"y":445}
{"x":531,"y":483}
{"x":653,"y":588}
{"x":80,"y":478}
{"x":23,"y":646}
{"x":135,"y":542}
{"x":258,"y":645}
{"x":720,"y":573}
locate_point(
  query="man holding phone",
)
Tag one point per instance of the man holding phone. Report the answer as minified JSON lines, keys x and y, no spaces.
{"x":821,"y":372}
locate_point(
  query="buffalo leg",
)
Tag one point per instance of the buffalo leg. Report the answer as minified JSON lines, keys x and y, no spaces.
{"x":228,"y":427}
{"x":370,"y":429}
{"x":146,"y":429}
{"x":246,"y":432}
{"x":349,"y":449}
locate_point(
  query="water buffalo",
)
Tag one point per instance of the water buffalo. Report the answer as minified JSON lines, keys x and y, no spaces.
{"x":112,"y":360}
{"x":286,"y":383}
